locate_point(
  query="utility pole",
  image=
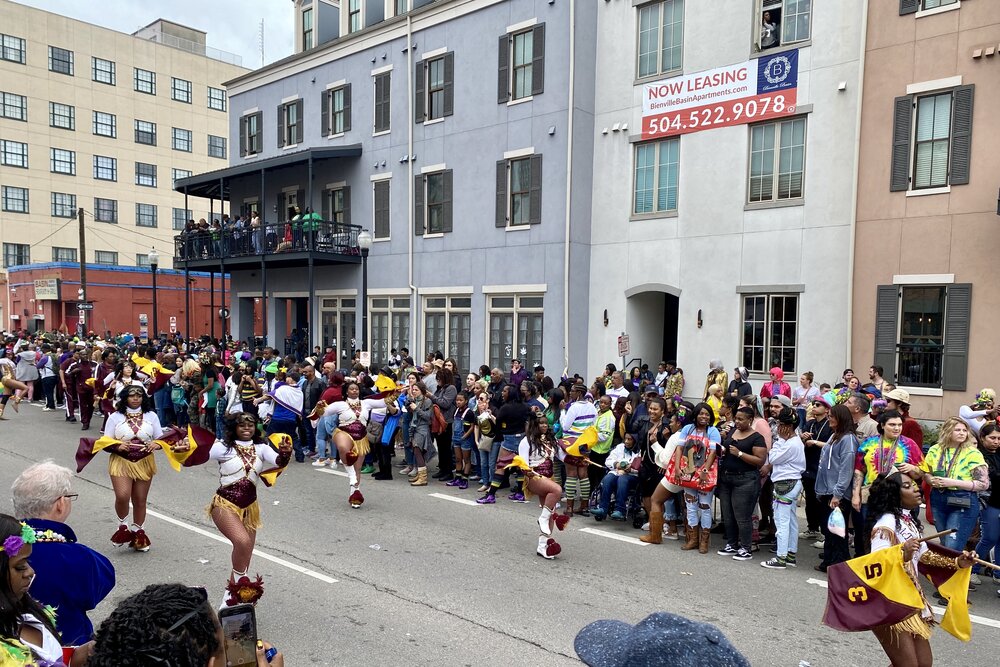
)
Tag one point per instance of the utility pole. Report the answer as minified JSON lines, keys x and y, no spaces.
{"x":83,"y":266}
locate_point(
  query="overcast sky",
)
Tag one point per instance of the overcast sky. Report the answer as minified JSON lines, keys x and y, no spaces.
{"x":231,"y":25}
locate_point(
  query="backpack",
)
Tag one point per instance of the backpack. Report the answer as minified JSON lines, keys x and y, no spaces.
{"x":438,"y":423}
{"x":177,"y":395}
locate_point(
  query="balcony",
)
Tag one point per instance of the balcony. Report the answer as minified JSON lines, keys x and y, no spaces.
{"x":919,"y":365}
{"x":275,"y":245}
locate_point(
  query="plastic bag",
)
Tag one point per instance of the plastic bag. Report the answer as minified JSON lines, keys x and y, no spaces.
{"x":836,"y":523}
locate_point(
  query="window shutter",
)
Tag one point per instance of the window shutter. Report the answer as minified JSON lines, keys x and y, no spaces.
{"x":535,"y":191}
{"x":324,"y":114}
{"x":886,"y":327}
{"x":298,"y":123}
{"x":347,"y":204}
{"x":902,"y":119}
{"x":282,"y":209}
{"x":503,"y":70}
{"x":347,"y":108}
{"x":325,"y":205}
{"x":259,"y":140}
{"x":418,"y":205}
{"x":961,"y":135}
{"x":501,"y":216}
{"x":449,"y":84}
{"x":419,"y":98}
{"x":382,"y":209}
{"x":281,"y":126}
{"x":243,"y":137}
{"x":446,"y":206}
{"x":955,"y":360}
{"x":538,"y":59}
{"x":908,"y":6}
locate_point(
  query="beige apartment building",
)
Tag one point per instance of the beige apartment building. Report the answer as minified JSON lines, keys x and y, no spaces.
{"x":925,"y":305}
{"x":103,"y":120}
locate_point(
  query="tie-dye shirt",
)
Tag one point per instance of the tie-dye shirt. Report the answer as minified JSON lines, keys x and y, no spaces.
{"x":876,"y":456}
{"x":953,"y":464}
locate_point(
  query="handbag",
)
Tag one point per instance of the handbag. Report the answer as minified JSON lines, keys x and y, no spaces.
{"x":374,"y":430}
{"x":438,"y":423}
{"x":962,"y":502}
{"x":692,"y":480}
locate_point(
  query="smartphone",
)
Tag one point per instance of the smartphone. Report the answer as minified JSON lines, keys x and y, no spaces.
{"x":239,"y":627}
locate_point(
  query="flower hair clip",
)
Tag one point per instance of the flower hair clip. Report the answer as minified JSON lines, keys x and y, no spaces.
{"x":14,"y":543}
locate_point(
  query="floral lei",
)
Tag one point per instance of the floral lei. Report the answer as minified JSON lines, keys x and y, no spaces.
{"x":14,"y":543}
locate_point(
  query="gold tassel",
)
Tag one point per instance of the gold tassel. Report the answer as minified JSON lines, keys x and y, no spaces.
{"x":250,"y":516}
{"x":142,"y":470}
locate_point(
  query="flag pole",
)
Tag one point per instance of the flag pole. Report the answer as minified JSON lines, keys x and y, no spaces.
{"x":949,"y":532}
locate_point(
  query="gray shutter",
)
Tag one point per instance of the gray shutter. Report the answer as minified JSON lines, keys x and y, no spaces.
{"x":501,"y":217}
{"x":418,"y":205}
{"x":299,"y":136}
{"x":281,"y":126}
{"x":886,"y":328}
{"x":382,"y":222}
{"x":538,"y":59}
{"x":282,"y":208}
{"x":325,"y":204}
{"x":347,"y":204}
{"x":902,"y":120}
{"x":449,"y":84}
{"x":419,"y":98}
{"x":955,"y":360}
{"x":260,"y":134}
{"x":243,"y":137}
{"x":535,"y":191}
{"x":347,"y":108}
{"x":961,"y":135}
{"x":908,"y":6}
{"x":324,"y":127}
{"x":503,"y":70}
{"x":446,"y":207}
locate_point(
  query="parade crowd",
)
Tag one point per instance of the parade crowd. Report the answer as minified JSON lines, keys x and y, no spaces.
{"x":720,"y":466}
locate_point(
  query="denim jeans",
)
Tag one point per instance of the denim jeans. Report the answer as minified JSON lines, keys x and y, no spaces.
{"x":49,"y":389}
{"x":989,"y":524}
{"x":491,"y":462}
{"x":737,"y":496}
{"x":289,"y":428}
{"x":310,"y":432}
{"x":621,"y":486}
{"x":962,"y":520}
{"x":220,"y":424}
{"x":787,"y":521}
{"x":164,"y":407}
{"x":696,"y":514}
{"x":326,"y":425}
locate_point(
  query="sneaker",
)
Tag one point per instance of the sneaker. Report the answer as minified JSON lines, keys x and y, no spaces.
{"x":819,"y":544}
{"x":728,"y":550}
{"x":975,"y":580}
{"x":474,"y":478}
{"x":645,"y":527}
{"x":517,"y":498}
{"x":46,"y":409}
{"x":454,"y":482}
{"x":599,"y":514}
{"x":790,"y":560}
{"x":482,"y":489}
{"x":463,"y":484}
{"x":367,"y":470}
{"x":809,"y":534}
{"x":488,"y":499}
{"x":743,"y":554}
{"x":617,"y":516}
{"x":776,"y":563}
{"x":321,"y":463}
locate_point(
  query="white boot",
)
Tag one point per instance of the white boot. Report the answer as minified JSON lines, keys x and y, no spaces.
{"x":543,"y":521}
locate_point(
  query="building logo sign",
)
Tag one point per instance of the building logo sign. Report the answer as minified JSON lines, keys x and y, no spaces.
{"x":747,"y":92}
{"x":47,"y":289}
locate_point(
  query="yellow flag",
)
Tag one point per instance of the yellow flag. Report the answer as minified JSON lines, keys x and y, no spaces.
{"x":955,"y":590}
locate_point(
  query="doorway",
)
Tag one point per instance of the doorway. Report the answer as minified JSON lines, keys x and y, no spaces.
{"x":651,"y":320}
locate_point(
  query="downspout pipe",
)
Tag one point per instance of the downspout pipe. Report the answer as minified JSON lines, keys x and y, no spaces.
{"x":414,"y":305}
{"x":854,"y":185}
{"x":569,"y":180}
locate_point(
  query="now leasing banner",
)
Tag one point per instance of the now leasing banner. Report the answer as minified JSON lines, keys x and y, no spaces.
{"x":732,"y":95}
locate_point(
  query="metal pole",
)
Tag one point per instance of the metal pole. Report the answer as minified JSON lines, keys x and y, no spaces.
{"x":310,"y":307}
{"x":187,"y":275}
{"x":222,"y":295}
{"x":83,"y":267}
{"x":364,"y":299}
{"x":156,"y":330}
{"x":211,"y":303}
{"x":263,"y":295}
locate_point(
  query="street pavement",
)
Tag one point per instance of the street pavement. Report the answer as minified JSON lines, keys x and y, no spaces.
{"x":449,"y":582}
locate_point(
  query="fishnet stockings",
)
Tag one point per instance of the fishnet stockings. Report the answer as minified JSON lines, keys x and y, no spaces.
{"x":243,"y":540}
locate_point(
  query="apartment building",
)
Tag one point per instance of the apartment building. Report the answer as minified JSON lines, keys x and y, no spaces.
{"x":104,"y":121}
{"x":924,"y":305}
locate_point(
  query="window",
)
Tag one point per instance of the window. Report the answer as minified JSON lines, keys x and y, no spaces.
{"x":180,"y":90}
{"x":145,"y":174}
{"x":435,"y":88}
{"x":63,"y":254}
{"x":383,"y":89}
{"x":179,"y":218}
{"x":781,"y":23}
{"x":180,"y":139}
{"x":63,"y":205}
{"x":338,"y":320}
{"x":145,"y":132}
{"x":336,"y":113}
{"x":353,"y":16}
{"x":16,"y":254}
{"x":106,"y":210}
{"x":14,"y":106}
{"x":432,"y":203}
{"x":103,"y":71}
{"x":510,"y":314}
{"x":337,"y":205}
{"x":145,"y":215}
{"x":105,"y":168}
{"x":770,"y":331}
{"x":13,"y":154}
{"x":661,"y":38}
{"x":522,"y":64}
{"x":216,"y":99}
{"x":390,"y":327}
{"x":934,"y":4}
{"x":937,"y":152}
{"x":12,"y":48}
{"x":62,"y":116}
{"x":216,"y":146}
{"x":381,"y":220}
{"x":105,"y":124}
{"x":777,"y":148}
{"x":931,"y":141}
{"x":251,"y":138}
{"x":400,"y":7}
{"x":657,"y":168}
{"x":105,"y":257}
{"x":448,"y":327}
{"x":15,"y":200}
{"x":290,"y":124}
{"x":307,"y":29}
{"x":62,"y":161}
{"x":519,"y":191}
{"x":60,"y":60}
{"x":145,"y":81}
{"x":142,"y":260}
{"x":177,"y":174}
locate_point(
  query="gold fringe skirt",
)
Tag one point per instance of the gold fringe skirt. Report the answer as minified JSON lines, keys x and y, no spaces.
{"x":915,"y":625}
{"x":361,"y":445}
{"x":250,"y":516}
{"x":141,"y":471}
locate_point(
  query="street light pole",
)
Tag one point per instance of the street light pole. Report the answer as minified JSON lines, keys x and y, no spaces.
{"x":365,"y":244}
{"x":154,"y":261}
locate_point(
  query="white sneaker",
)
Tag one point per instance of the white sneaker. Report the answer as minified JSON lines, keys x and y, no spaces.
{"x":46,"y":409}
{"x":975,"y":580}
{"x":819,"y":544}
{"x":321,"y":463}
{"x":645,"y":526}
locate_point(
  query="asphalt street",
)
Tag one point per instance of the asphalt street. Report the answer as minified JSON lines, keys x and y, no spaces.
{"x":450,"y":582}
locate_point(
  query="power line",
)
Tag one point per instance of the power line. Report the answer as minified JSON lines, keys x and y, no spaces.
{"x":73,"y":219}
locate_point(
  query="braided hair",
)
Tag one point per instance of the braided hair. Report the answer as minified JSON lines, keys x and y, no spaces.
{"x":141,"y":630}
{"x":11,"y":608}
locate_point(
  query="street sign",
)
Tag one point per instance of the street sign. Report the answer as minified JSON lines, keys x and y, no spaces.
{"x":623,"y":345}
{"x":83,"y":317}
{"x":143,"y":319}
{"x":144,"y":334}
{"x":173,"y":324}
{"x":84,"y":306}
{"x":366,"y":358}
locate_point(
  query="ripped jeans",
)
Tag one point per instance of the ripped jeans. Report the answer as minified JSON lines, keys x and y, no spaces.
{"x":699,"y":507}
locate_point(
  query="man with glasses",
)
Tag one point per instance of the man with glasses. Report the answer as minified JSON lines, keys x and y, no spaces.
{"x":69,"y":576}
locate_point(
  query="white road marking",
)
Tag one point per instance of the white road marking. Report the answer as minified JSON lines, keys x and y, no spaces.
{"x":330,"y":471}
{"x":614,"y":536}
{"x":257,"y":552}
{"x":981,"y":620}
{"x":444,"y":496}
